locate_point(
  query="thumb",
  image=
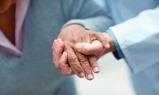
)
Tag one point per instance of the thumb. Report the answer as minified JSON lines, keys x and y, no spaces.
{"x":89,"y":48}
{"x":102,"y":37}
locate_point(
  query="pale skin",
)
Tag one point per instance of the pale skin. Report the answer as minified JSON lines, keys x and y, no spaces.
{"x":77,"y":50}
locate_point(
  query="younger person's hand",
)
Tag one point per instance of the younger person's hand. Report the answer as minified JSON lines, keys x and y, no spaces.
{"x":101,"y":43}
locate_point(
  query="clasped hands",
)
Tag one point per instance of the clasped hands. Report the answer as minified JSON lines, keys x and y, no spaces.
{"x":76,"y":51}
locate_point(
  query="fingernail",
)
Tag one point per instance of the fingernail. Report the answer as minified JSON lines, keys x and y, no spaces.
{"x":82,"y":75}
{"x":107,"y":46}
{"x":96,"y":70}
{"x":90,"y":76}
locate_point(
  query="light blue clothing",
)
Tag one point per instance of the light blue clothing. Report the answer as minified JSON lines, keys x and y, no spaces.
{"x":138,"y":40}
{"x":136,"y":32}
{"x":33,"y":73}
{"x":136,"y":35}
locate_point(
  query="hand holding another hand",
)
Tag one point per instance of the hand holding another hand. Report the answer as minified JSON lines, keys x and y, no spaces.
{"x":100,"y":44}
{"x":77,"y":50}
{"x":67,"y":60}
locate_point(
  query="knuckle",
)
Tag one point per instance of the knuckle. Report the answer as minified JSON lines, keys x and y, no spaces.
{"x":72,"y":58}
{"x":81,"y":57}
{"x":60,"y":62}
{"x":78,"y":68}
{"x":86,"y":66}
{"x":83,"y":61}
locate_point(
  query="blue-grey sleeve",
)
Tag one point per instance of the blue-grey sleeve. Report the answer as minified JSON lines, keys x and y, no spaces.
{"x":87,"y":13}
{"x":138,"y":39}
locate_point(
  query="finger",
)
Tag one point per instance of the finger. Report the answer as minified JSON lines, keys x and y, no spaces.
{"x":101,"y":37}
{"x":93,"y":63}
{"x":89,"y":48}
{"x":84,"y":61}
{"x":64,"y":67}
{"x":57,"y":49}
{"x":74,"y":63}
{"x":109,"y":40}
{"x":98,"y":50}
{"x":66,"y":74}
{"x":86,"y":66}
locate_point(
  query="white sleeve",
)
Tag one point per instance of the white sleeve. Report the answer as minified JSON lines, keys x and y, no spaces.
{"x":138,"y":39}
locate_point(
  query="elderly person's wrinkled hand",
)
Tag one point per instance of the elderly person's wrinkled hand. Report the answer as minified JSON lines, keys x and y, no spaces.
{"x":69,"y":61}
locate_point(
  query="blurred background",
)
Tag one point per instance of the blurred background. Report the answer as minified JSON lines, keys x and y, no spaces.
{"x":114,"y":79}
